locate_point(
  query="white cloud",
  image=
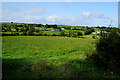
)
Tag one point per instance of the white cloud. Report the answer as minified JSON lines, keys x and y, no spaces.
{"x":30,"y":14}
{"x":100,"y":14}
{"x":94,"y":15}
{"x":86,"y":14}
{"x":52,"y":19}
{"x":36,"y":10}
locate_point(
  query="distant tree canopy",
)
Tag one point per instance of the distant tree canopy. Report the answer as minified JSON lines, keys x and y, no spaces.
{"x":35,"y":29}
{"x":51,"y":26}
{"x":88,"y":31}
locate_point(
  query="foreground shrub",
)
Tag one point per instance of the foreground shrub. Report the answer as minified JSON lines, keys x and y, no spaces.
{"x":108,"y":50}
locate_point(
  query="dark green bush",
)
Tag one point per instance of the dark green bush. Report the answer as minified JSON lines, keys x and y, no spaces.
{"x":25,"y":33}
{"x":62,"y":33}
{"x":93,"y":36}
{"x":92,"y":29}
{"x":108,"y":50}
{"x":30,"y":33}
{"x":45,"y":34}
{"x":79,"y":33}
{"x":88,"y":31}
{"x":75,"y":35}
{"x":54,"y":35}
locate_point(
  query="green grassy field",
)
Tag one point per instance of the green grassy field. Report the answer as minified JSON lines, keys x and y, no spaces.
{"x":67,"y":31}
{"x":47,"y":57}
{"x":51,"y":32}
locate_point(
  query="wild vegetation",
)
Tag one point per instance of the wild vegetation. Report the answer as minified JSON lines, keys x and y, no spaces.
{"x":108,"y":52}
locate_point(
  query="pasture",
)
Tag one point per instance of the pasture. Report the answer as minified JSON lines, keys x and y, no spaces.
{"x":47,"y":57}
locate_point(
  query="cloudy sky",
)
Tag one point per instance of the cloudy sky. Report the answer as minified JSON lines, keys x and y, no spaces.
{"x":64,"y":13}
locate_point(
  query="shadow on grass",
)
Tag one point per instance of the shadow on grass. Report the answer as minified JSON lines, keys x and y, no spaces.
{"x":12,"y":67}
{"x":77,"y":69}
{"x":21,"y":68}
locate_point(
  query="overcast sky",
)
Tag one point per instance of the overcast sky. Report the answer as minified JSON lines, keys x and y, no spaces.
{"x":65,"y":13}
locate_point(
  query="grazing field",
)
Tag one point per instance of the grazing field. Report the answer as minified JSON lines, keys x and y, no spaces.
{"x":47,"y":57}
{"x":51,"y":32}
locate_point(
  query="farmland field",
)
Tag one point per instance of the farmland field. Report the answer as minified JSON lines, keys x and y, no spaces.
{"x":40,"y":55}
{"x":47,"y":57}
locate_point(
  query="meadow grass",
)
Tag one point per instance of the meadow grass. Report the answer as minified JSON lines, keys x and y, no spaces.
{"x":47,"y":57}
{"x":67,"y":31}
{"x":51,"y":32}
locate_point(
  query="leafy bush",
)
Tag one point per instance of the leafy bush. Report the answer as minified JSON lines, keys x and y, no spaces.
{"x":25,"y":33}
{"x":88,"y":31}
{"x":30,"y":33}
{"x":45,"y":34}
{"x":75,"y":35}
{"x":79,"y":33}
{"x":108,"y":50}
{"x":93,"y":36}
{"x":54,"y":35}
{"x":37,"y":30}
{"x":62,"y":33}
{"x":92,"y":29}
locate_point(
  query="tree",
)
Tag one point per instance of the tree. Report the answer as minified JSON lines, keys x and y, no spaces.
{"x":75,"y":35}
{"x":30,"y":33}
{"x":3,"y":29}
{"x":32,"y":29}
{"x":68,"y":27}
{"x":37,"y":30}
{"x":92,"y":29}
{"x":46,"y":26}
{"x":79,"y":33}
{"x":22,"y":29}
{"x":8,"y":29}
{"x":88,"y":31}
{"x":27,"y":29}
{"x":62,"y":33}
{"x":98,"y":27}
{"x":16,"y":28}
{"x":39,"y":25}
{"x":54,"y":26}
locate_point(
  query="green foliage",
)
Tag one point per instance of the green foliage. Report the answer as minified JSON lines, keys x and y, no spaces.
{"x":93,"y":36}
{"x":27,"y":29}
{"x":74,"y":34}
{"x":54,"y":35}
{"x":88,"y":31}
{"x":8,"y":29}
{"x":62,"y":33}
{"x":24,"y":33}
{"x":3,"y":29}
{"x":32,"y":29}
{"x":92,"y":29}
{"x":108,"y":50}
{"x":22,"y":29}
{"x":30,"y":33}
{"x":37,"y":30}
{"x":79,"y":33}
{"x":16,"y":28}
